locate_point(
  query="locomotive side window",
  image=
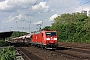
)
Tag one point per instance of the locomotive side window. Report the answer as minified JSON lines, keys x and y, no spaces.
{"x":50,"y":33}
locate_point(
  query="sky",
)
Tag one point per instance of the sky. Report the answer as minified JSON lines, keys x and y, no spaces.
{"x":28,"y":15}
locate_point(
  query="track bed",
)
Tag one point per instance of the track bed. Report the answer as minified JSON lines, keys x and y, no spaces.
{"x":27,"y":55}
{"x":65,"y":51}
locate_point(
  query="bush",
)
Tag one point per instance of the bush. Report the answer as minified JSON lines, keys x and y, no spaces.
{"x":3,"y":43}
{"x":8,"y":53}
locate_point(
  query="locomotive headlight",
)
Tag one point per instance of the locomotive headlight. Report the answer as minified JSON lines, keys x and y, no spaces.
{"x":47,"y":38}
{"x":55,"y":38}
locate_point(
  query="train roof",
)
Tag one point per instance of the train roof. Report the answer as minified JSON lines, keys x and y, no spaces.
{"x":23,"y":37}
{"x":48,"y":31}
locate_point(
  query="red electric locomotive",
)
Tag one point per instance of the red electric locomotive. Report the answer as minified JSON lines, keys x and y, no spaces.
{"x":45,"y":39}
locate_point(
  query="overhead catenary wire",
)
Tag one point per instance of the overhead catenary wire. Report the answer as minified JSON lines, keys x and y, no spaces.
{"x":78,"y":6}
{"x":27,"y":13}
{"x":29,"y":10}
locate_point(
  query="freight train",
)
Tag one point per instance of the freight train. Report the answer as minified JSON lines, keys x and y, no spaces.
{"x":44,"y":39}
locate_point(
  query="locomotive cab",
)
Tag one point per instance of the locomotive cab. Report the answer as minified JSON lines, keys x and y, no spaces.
{"x":50,"y":39}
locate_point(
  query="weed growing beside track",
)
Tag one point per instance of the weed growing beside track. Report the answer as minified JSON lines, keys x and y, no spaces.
{"x":8,"y":53}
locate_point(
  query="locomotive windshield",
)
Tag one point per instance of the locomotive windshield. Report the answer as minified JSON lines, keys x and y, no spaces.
{"x":50,"y":33}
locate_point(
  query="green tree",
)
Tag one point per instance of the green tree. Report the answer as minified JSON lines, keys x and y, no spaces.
{"x":72,"y":27}
{"x":46,"y":28}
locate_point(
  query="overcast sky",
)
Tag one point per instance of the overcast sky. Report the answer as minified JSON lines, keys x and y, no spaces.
{"x":17,"y":15}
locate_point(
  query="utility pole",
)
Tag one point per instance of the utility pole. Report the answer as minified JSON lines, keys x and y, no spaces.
{"x":39,"y":25}
{"x":29,"y":26}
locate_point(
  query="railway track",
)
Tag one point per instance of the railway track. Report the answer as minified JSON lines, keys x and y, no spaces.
{"x":67,"y":53}
{"x":63,"y":53}
{"x":87,"y":51}
{"x":82,"y":50}
{"x":28,"y":55}
{"x":75,"y":45}
{"x":72,"y":53}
